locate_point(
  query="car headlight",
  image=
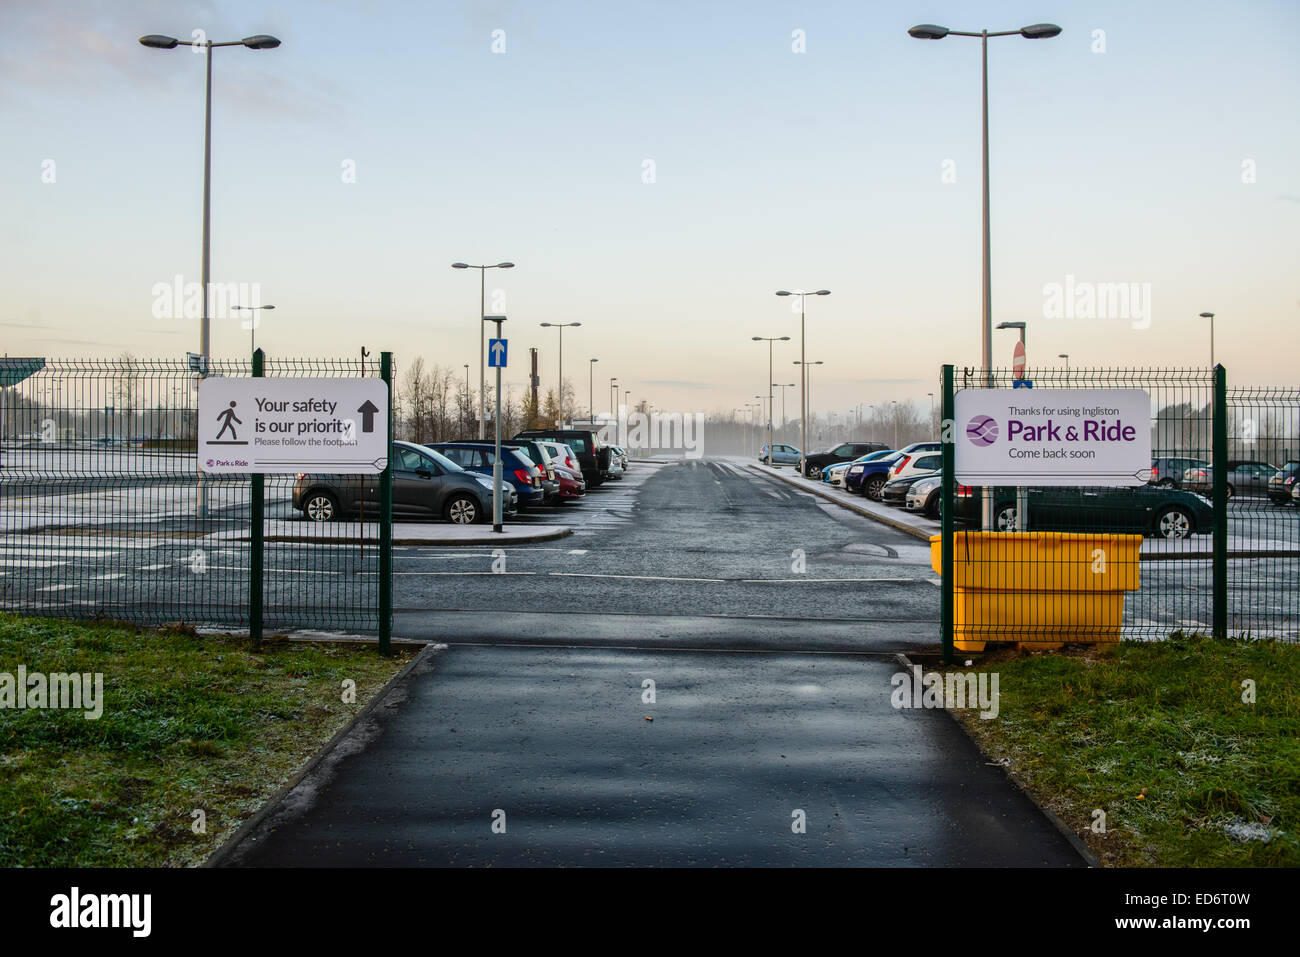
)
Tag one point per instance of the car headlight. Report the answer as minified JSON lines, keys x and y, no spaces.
{"x":855,"y":470}
{"x":485,"y":482}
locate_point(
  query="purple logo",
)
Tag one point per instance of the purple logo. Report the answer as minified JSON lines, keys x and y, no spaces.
{"x":209,"y":463}
{"x":982,"y":430}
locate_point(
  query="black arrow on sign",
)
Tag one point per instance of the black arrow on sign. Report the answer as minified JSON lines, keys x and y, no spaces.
{"x":368,"y":411}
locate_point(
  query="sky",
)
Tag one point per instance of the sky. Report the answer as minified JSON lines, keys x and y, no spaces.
{"x":657,"y":171}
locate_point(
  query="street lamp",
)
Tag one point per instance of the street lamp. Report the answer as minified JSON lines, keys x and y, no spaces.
{"x":769,"y":342}
{"x":252,"y":323}
{"x":482,"y":332}
{"x":1037,"y":31}
{"x":931,"y":395}
{"x":591,"y":390}
{"x":158,"y":42}
{"x":1210,"y":316}
{"x":806,"y":376}
{"x":561,"y":326}
{"x":1066,"y":357}
{"x":613,"y":397}
{"x":803,"y":379}
{"x":894,"y":403}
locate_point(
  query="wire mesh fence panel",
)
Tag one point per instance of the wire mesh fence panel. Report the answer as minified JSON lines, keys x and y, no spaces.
{"x":1101,"y":563}
{"x":103,"y":511}
{"x":1263,"y":442}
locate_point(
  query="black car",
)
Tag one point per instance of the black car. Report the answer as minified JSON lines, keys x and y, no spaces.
{"x":425,"y":485}
{"x":1146,"y":509}
{"x":846,"y":452}
{"x":593,"y":456}
{"x":894,"y":492}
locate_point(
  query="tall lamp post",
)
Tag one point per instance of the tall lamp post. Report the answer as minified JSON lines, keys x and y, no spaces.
{"x":1066,"y":357}
{"x":1210,"y":316}
{"x":931,"y":395}
{"x":803,"y":392}
{"x":613,"y":397}
{"x":482,"y":335}
{"x":1036,"y":31}
{"x":560,"y":392}
{"x":252,"y":323}
{"x":591,"y":390}
{"x":496,"y":459}
{"x":769,"y":342}
{"x":158,"y":42}
{"x":806,"y":376}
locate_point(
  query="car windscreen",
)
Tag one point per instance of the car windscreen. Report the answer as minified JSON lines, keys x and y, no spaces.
{"x":446,"y":464}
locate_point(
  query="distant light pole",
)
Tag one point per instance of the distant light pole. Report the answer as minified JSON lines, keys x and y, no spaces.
{"x":931,"y":395}
{"x":806,"y":377}
{"x":803,"y":378}
{"x":158,"y":42}
{"x":769,"y":342}
{"x":252,"y":323}
{"x":482,"y":335}
{"x":560,"y":326}
{"x":1066,"y":357}
{"x":469,"y":396}
{"x":1210,"y":316}
{"x":894,"y":403}
{"x":613,"y":396}
{"x":871,"y":408}
{"x":783,"y":386}
{"x":591,"y":390}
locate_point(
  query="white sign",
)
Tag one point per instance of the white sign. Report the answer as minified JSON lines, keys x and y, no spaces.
{"x":1052,"y":437}
{"x":293,"y":425}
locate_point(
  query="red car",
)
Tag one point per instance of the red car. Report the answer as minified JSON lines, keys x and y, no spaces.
{"x":567,"y":470}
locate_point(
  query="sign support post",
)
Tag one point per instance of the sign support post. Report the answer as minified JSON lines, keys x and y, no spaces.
{"x":386,"y":521}
{"x":257,"y":506}
{"x":497,"y":357}
{"x":947,"y":505}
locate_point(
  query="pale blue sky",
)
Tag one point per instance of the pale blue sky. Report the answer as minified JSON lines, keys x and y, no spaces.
{"x":773,"y":170}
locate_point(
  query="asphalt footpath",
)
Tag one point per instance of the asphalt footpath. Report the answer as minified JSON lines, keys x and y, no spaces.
{"x":514,"y":756}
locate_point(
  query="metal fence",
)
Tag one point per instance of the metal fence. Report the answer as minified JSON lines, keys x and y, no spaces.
{"x":1211,"y":544}
{"x":99,"y":517}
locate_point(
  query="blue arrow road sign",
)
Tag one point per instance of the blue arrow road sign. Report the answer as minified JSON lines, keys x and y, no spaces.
{"x":496,"y":353}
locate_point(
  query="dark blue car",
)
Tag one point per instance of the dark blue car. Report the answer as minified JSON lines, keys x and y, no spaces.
{"x":516,"y":467}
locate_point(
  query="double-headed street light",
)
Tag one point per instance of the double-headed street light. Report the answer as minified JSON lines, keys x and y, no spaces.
{"x":803,"y":400}
{"x":252,"y":323}
{"x":1037,"y":31}
{"x":561,"y":326}
{"x":769,"y":342}
{"x":482,"y":335}
{"x":158,"y":42}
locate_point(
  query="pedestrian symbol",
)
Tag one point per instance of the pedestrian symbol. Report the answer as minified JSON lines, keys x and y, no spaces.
{"x":226,"y":417}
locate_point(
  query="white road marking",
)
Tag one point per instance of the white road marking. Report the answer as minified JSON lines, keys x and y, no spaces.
{"x":152,"y":568}
{"x":577,"y":551}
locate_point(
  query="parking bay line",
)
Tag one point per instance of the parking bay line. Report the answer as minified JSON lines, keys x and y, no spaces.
{"x":667,"y":578}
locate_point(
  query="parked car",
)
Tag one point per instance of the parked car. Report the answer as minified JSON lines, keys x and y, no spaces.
{"x":868,"y":477}
{"x":813,"y":464}
{"x":1282,"y":486}
{"x":620,"y":455}
{"x":542,"y":459}
{"x":1245,"y":477}
{"x":837,"y":474}
{"x":924,"y":496}
{"x":516,"y":467}
{"x":1295,"y":493}
{"x":425,"y":485}
{"x":1147,"y":509}
{"x":781,"y":455}
{"x":894,"y":492}
{"x":565,"y":464}
{"x":593,"y":455}
{"x":1168,"y":471}
{"x":914,"y":463}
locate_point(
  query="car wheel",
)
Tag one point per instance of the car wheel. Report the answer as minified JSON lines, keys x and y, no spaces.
{"x":321,"y":507}
{"x":872,"y":486}
{"x":1174,"y":523}
{"x":813,"y":472}
{"x":1004,"y":517}
{"x":933,"y":505}
{"x":461,"y":510}
{"x":1166,"y":483}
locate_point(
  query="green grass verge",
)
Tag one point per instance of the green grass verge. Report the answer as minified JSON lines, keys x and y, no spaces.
{"x":189,"y":724}
{"x":1157,"y":736}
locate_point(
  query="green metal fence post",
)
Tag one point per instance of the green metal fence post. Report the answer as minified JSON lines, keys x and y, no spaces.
{"x":1220,"y":474}
{"x":256,"y":512}
{"x":386,"y":521}
{"x":947,"y":501}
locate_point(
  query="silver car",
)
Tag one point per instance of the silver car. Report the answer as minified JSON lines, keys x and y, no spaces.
{"x":923,"y":496}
